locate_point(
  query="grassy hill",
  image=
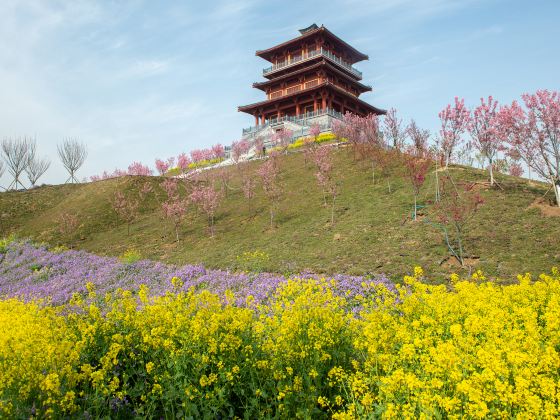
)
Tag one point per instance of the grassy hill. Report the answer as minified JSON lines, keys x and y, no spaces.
{"x":372,"y":233}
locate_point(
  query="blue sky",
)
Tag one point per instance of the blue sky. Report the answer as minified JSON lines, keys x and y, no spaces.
{"x":137,"y":80}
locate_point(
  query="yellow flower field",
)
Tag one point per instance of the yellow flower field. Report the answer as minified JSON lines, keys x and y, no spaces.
{"x":472,"y":350}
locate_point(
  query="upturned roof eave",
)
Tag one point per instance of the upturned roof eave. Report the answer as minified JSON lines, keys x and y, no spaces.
{"x":248,"y":108}
{"x":261,"y":85}
{"x":264,"y":53}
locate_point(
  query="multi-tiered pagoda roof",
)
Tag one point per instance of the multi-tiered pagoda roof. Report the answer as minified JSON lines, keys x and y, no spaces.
{"x":311,"y":74}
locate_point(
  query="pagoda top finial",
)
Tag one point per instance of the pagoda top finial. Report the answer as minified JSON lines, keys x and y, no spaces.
{"x":309,"y":28}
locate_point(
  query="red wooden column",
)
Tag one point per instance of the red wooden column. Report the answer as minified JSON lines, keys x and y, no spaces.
{"x":256,"y":118}
{"x":297,"y":108}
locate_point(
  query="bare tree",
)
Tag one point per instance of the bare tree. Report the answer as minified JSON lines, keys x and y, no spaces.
{"x":36,"y":168}
{"x":16,"y":152}
{"x":2,"y":169}
{"x":72,"y":153}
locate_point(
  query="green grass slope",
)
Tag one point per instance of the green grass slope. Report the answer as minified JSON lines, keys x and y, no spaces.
{"x":372,"y":231}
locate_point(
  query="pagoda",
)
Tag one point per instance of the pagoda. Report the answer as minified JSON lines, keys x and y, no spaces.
{"x":312,"y":80}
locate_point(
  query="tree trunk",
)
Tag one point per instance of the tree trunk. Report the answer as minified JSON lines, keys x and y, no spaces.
{"x":491,"y":169}
{"x":332,"y":209}
{"x":271,"y":216}
{"x":437,"y":183}
{"x":556,"y":187}
{"x":414,"y":206}
{"x":373,"y":172}
{"x":389,"y":186}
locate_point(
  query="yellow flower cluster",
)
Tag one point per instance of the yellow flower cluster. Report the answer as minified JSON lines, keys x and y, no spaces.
{"x":321,"y":138}
{"x":473,"y":349}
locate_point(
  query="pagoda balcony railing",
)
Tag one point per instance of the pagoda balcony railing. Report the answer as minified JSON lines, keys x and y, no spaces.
{"x":298,"y":119}
{"x":308,"y":56}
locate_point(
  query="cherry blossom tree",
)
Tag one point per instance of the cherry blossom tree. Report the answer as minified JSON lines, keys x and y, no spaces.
{"x":126,"y":208}
{"x":269,"y":174}
{"x":314,"y":131}
{"x":393,"y":131}
{"x":454,"y":122}
{"x":534,"y":134}
{"x":137,"y":168}
{"x":207,"y":199}
{"x":363,"y":134}
{"x":456,"y":207}
{"x":416,"y":168}
{"x":259,"y":146}
{"x":68,"y":225}
{"x":282,"y":138}
{"x":162,"y":166}
{"x":322,"y":157}
{"x":183,"y":162}
{"x":218,"y":151}
{"x":174,"y":208}
{"x":238,"y":149}
{"x":483,"y":130}
{"x":419,"y":138}
{"x":248,"y":186}
{"x":197,"y":155}
{"x":515,"y":169}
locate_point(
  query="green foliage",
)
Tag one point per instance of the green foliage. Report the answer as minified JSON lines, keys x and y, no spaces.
{"x":5,"y":242}
{"x":130,"y":256}
{"x":59,"y":249}
{"x":256,"y":261}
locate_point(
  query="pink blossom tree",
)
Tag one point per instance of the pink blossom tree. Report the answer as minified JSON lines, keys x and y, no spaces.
{"x":419,"y":138}
{"x":138,"y":169}
{"x":484,"y":132}
{"x":197,"y":155}
{"x":174,"y":208}
{"x":282,"y":138}
{"x":183,"y":162}
{"x":534,"y":134}
{"x":126,"y":208}
{"x":322,"y":158}
{"x":269,"y":174}
{"x":314,"y":131}
{"x":393,"y":131}
{"x":454,"y":122}
{"x":238,"y":149}
{"x":248,"y":185}
{"x":363,"y":135}
{"x":68,"y":225}
{"x":515,"y":169}
{"x":456,"y":207}
{"x":162,"y":166}
{"x":218,"y":151}
{"x":207,"y":199}
{"x":259,"y":146}
{"x":416,"y":168}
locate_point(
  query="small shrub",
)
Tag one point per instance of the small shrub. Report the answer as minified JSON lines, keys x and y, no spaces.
{"x":130,"y":256}
{"x":256,"y":261}
{"x":59,"y":249}
{"x":5,"y":242}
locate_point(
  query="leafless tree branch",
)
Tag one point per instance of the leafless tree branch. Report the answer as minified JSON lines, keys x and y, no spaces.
{"x":16,"y":152}
{"x":72,"y":153}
